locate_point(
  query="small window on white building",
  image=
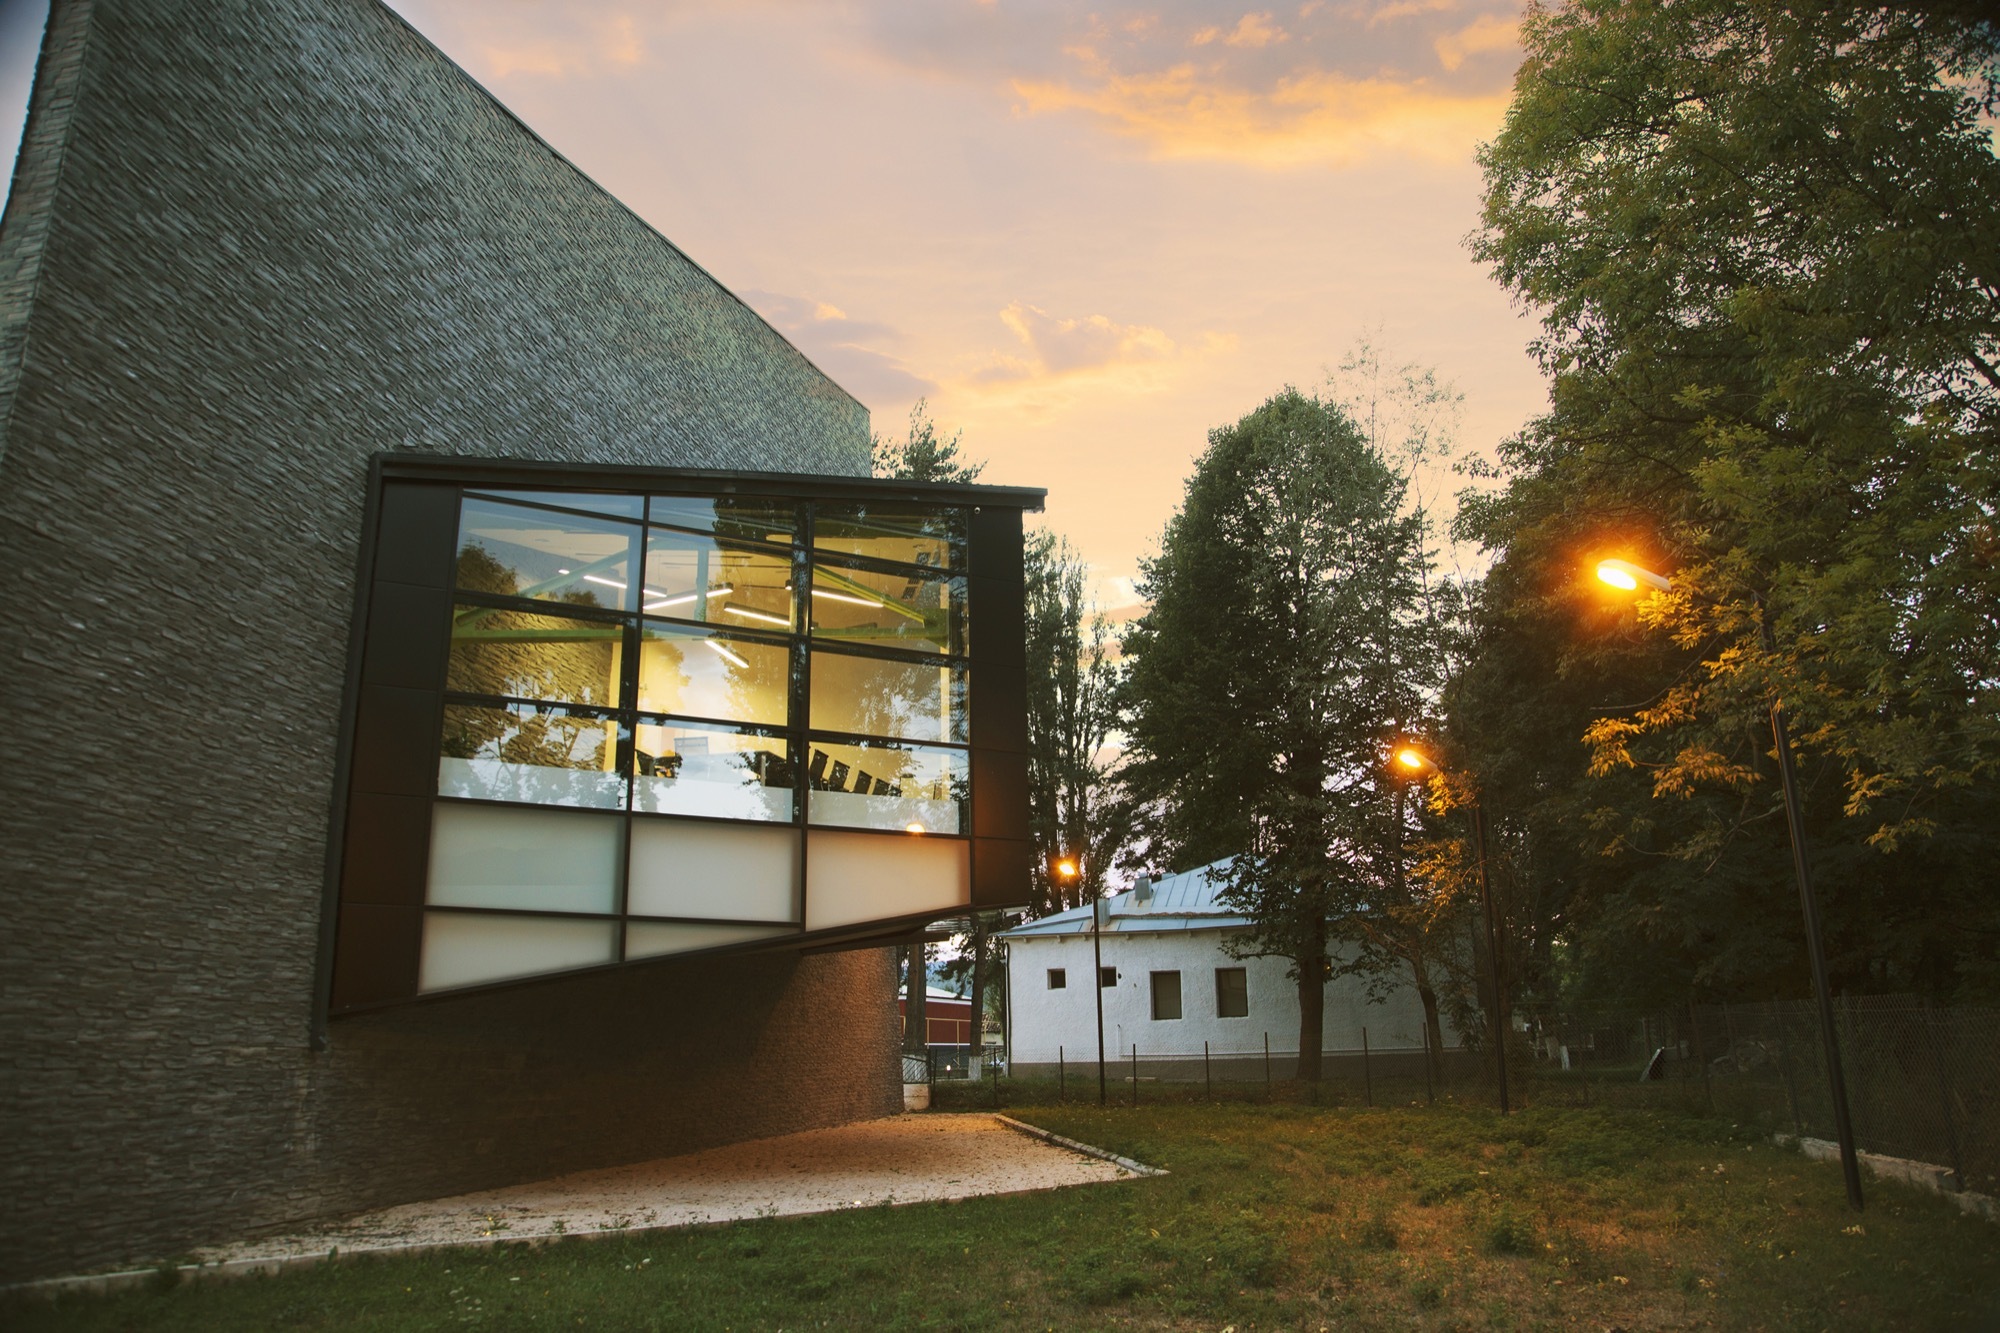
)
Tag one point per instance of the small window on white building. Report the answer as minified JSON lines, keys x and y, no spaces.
{"x":1058,"y":978}
{"x":1107,"y":977}
{"x":1166,"y":995}
{"x":1232,"y":993}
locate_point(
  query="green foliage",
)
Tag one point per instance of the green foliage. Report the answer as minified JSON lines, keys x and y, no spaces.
{"x":1281,"y":657}
{"x":921,"y":455}
{"x":1071,"y":711}
{"x":1764,"y":242}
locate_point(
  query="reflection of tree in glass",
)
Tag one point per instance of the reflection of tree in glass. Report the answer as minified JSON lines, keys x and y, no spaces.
{"x":754,"y":520}
{"x":575,"y":663}
{"x":479,"y":570}
{"x":905,"y":699}
{"x":551,"y":739}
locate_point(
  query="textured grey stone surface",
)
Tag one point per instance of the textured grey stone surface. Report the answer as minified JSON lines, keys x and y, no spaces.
{"x":251,"y":243}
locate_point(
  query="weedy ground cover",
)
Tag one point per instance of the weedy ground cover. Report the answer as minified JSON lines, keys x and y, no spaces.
{"x":1278,"y":1216}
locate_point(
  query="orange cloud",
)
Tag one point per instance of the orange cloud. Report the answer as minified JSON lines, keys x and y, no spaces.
{"x":1315,"y":117}
{"x":1056,"y":349}
{"x":1487,"y":33}
{"x":612,"y":39}
{"x":1255,"y":30}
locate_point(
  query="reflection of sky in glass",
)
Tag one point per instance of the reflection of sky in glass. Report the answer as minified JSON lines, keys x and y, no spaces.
{"x":617,"y":506}
{"x":872,"y":696}
{"x":907,"y":534}
{"x":536,"y":553}
{"x":696,"y":578}
{"x":911,"y":610}
{"x":704,"y":674}
{"x":739,"y":519}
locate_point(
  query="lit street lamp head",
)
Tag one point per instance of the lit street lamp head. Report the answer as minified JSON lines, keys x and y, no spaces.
{"x":1624,"y":574}
{"x":1414,"y":759}
{"x":1066,"y":868}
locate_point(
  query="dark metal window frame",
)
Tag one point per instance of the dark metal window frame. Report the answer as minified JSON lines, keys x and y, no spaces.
{"x":1000,"y":851}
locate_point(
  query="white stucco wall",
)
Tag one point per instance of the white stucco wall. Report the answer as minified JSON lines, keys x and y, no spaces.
{"x":1042,"y":1019}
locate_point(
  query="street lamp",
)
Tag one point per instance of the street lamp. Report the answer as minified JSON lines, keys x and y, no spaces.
{"x":1067,"y":869}
{"x":1416,"y":761}
{"x":1623,"y":574}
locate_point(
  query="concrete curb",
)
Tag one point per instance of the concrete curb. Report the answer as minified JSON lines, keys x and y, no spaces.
{"x":1926,"y":1176}
{"x":1037,"y":1132}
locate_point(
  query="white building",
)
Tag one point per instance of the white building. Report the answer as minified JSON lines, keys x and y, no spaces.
{"x":1170,"y":989}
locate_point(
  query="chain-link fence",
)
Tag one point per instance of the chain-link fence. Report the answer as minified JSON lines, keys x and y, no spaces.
{"x":1923,"y":1082}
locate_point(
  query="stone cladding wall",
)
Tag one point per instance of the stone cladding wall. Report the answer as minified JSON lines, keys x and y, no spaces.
{"x":251,"y":243}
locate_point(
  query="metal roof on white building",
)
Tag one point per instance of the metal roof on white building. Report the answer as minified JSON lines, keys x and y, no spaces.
{"x":1187,"y":901}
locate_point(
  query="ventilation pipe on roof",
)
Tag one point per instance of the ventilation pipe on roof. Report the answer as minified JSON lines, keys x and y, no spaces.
{"x":1142,"y":891}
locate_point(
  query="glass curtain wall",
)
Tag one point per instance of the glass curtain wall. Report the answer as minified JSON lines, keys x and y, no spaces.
{"x":676,"y":722}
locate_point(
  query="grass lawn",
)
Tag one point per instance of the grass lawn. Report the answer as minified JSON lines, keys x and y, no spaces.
{"x":1274,"y":1216}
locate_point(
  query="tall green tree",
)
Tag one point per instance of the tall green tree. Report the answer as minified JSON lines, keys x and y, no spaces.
{"x":1270,"y":676}
{"x":1071,"y":712}
{"x":1764,"y":243}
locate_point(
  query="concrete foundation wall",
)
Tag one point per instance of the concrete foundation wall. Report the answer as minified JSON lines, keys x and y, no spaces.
{"x":253,"y":242}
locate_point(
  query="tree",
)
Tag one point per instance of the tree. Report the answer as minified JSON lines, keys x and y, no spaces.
{"x":1268,"y":680}
{"x":1071,"y":712}
{"x":921,"y":455}
{"x":1764,"y":242}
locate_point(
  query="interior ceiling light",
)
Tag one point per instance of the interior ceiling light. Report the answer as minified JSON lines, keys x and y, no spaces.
{"x":750,"y":613}
{"x":833,"y":596}
{"x":686,"y":597}
{"x":609,"y":583}
{"x":725,"y":654}
{"x":913,"y":828}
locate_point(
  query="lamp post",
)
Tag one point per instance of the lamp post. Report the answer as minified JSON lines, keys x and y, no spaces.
{"x":1623,"y":574}
{"x":1416,"y":761}
{"x":1067,"y":868}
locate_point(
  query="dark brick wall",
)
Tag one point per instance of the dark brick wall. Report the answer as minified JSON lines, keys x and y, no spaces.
{"x":251,"y":243}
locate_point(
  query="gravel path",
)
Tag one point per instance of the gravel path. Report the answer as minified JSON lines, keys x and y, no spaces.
{"x":901,"y":1159}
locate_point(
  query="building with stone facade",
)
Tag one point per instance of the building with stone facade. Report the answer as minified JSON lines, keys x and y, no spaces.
{"x":471,"y":716}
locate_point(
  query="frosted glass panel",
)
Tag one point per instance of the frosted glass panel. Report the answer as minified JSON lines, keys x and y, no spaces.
{"x":651,"y":939}
{"x":463,"y":950}
{"x":856,"y":877}
{"x":713,"y":870}
{"x":543,"y":860}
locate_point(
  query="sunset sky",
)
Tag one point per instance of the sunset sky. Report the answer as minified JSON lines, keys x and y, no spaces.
{"x":1087,"y":238}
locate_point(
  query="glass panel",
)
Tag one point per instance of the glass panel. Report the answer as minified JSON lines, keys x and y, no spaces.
{"x":1166,"y":995}
{"x":462,"y":949}
{"x":855,"y":877}
{"x":538,"y":753}
{"x":651,"y":939}
{"x":724,"y":871}
{"x":533,"y":656}
{"x":745,"y":518}
{"x":684,"y":768}
{"x":1232,"y":993}
{"x":553,"y":557}
{"x":914,"y":611}
{"x":919,"y":701}
{"x":703,"y":673}
{"x":882,"y":785}
{"x":536,"y":860}
{"x":698,"y":578}
{"x":617,"y":506}
{"x":886,"y":530}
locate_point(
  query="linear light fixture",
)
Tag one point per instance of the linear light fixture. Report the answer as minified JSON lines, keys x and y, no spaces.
{"x":750,"y":613}
{"x":833,"y":596}
{"x":720,"y":590}
{"x":725,"y":654}
{"x":609,"y":583}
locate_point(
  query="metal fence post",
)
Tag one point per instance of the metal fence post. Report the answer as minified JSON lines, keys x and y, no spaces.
{"x":1367,"y":1082}
{"x":1062,"y":1077}
{"x":1135,"y":1073}
{"x":1207,"y":1074}
{"x":995,"y":1068}
{"x":1267,"y":1066}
